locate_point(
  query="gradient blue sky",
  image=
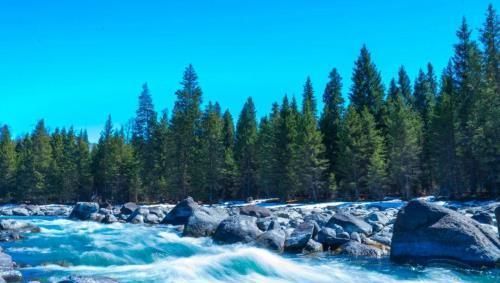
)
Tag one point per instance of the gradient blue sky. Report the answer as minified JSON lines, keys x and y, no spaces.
{"x":73,"y":62}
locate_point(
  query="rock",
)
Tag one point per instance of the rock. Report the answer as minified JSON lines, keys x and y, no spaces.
{"x":82,"y":279}
{"x":426,"y":232}
{"x":483,"y":217}
{"x":355,"y":237}
{"x":180,"y":214}
{"x":300,"y":236}
{"x":312,"y":247}
{"x":263,"y":223}
{"x":237,"y":228}
{"x":128,"y":208}
{"x":20,"y":211}
{"x":13,"y":225}
{"x":110,"y":218}
{"x":204,"y":221}
{"x":350,"y":223}
{"x":377,"y":217}
{"x":329,"y":238}
{"x":151,"y":219}
{"x":97,"y":217}
{"x":357,"y":249}
{"x":320,"y":218}
{"x":7,"y":272}
{"x":382,"y":238}
{"x":256,"y":211}
{"x":8,"y":236}
{"x":83,"y":210}
{"x":272,"y":240}
{"x":137,"y":217}
{"x":497,"y":216}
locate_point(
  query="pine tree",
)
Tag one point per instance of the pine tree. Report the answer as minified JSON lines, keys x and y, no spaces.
{"x":367,"y":89}
{"x":25,"y":177}
{"x":363,"y":165}
{"x":42,"y":160}
{"x":404,"y":86}
{"x":467,"y":79}
{"x":244,"y":149}
{"x":403,"y":139}
{"x":229,"y":174}
{"x":7,"y":164}
{"x":184,"y":130}
{"x":311,"y":148}
{"x":331,"y":120}
{"x":83,"y":165}
{"x":161,"y":159}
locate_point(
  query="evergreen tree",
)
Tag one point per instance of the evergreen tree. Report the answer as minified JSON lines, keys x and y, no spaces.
{"x":161,"y":159}
{"x":403,"y":139}
{"x":184,"y":130}
{"x":229,"y":174}
{"x":42,"y":160}
{"x":25,"y":178}
{"x":244,"y":149}
{"x":367,"y":89}
{"x":331,"y":120}
{"x":83,"y":164}
{"x":311,"y":148}
{"x":404,"y":86}
{"x":7,"y":164}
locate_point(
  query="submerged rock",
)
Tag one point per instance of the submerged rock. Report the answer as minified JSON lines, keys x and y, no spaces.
{"x":83,"y":279}
{"x":84,"y":210}
{"x":350,"y":223}
{"x":256,"y":211}
{"x":426,"y":232}
{"x":237,"y":229}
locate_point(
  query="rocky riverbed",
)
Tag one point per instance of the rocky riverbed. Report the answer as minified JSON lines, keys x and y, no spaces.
{"x":421,"y":232}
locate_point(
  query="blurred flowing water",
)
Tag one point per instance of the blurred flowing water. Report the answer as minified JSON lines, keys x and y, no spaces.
{"x":136,"y":253}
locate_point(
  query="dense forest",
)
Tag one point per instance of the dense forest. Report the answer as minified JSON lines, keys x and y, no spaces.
{"x":433,"y":136}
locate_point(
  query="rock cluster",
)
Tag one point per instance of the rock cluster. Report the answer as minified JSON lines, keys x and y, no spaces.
{"x":36,"y":210}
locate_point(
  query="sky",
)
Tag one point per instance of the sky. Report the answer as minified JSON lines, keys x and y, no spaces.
{"x":75,"y":62}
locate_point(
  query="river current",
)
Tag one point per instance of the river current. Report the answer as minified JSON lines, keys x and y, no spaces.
{"x":137,"y":253}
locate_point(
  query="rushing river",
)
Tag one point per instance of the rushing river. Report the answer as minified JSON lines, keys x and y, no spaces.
{"x":136,"y":253}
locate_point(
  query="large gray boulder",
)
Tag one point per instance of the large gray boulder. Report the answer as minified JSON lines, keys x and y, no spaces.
{"x":128,"y":208}
{"x":204,"y":221}
{"x":180,"y":214}
{"x":304,"y":232}
{"x":20,"y":226}
{"x":357,"y":249}
{"x":350,"y":223}
{"x":20,"y":211}
{"x":272,"y":240}
{"x":84,"y":210}
{"x":237,"y":229}
{"x":256,"y":211}
{"x":320,"y":218}
{"x":426,"y":232}
{"x":329,"y":238}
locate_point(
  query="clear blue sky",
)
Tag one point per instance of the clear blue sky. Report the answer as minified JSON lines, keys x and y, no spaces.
{"x":73,"y":62}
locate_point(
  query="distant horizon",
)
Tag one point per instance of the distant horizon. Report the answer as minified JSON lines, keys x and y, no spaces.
{"x":75,"y":69}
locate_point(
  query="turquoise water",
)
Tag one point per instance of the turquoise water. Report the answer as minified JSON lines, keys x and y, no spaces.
{"x":135,"y":253}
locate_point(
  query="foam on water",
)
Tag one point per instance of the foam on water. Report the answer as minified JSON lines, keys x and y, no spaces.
{"x":135,"y":253}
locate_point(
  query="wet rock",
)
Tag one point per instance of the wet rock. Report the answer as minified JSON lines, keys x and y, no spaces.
{"x":7,"y":272}
{"x":320,"y":218}
{"x":357,"y":249}
{"x":151,"y":219}
{"x":483,"y":217}
{"x":355,"y":237}
{"x":272,"y":240}
{"x":180,"y":214}
{"x":426,"y":232}
{"x":312,"y":247}
{"x":21,"y":226}
{"x":382,"y":238}
{"x":300,"y":236}
{"x":263,"y":223}
{"x":137,"y":217}
{"x":83,"y":210}
{"x":255,"y":211}
{"x":204,"y":221}
{"x":20,"y":211}
{"x":377,"y":218}
{"x":83,"y":279}
{"x":329,"y":238}
{"x":96,"y":217}
{"x":350,"y":223}
{"x":237,"y":229}
{"x":109,"y":219}
{"x":128,"y":208}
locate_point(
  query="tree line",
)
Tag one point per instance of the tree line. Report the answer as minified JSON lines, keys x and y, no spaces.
{"x":432,"y":136}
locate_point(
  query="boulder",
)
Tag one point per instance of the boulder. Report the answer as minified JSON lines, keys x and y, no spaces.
{"x":137,"y":217}
{"x":7,"y":272}
{"x":426,"y":232}
{"x":483,"y":217}
{"x":151,"y":219}
{"x":13,"y":225}
{"x":20,"y":211}
{"x":357,"y":249}
{"x":312,"y":247}
{"x":97,"y":217}
{"x":272,"y":240}
{"x":377,"y":217}
{"x":237,"y":228}
{"x":256,"y":211}
{"x":180,"y":214}
{"x":300,"y":236}
{"x":497,"y":216}
{"x":128,"y":208}
{"x":84,"y":279}
{"x":204,"y":221}
{"x":83,"y":210}
{"x":329,"y":238}
{"x":320,"y":218}
{"x":109,"y":218}
{"x":350,"y":223}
